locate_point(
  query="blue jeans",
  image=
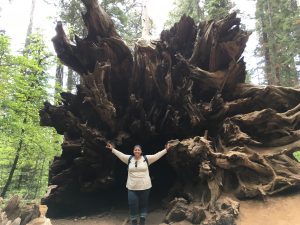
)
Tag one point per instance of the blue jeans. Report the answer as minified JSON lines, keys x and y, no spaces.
{"x":138,"y":203}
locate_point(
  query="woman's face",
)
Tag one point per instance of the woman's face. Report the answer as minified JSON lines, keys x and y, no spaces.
{"x":137,"y":151}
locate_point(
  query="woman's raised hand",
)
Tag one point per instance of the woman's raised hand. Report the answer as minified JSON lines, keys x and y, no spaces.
{"x":168,"y":146}
{"x":109,"y":146}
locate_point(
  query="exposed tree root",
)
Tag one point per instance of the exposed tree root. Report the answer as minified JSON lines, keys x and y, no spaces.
{"x":189,"y":85}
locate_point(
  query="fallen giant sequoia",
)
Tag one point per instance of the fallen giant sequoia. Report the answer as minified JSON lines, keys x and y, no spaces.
{"x":190,"y":86}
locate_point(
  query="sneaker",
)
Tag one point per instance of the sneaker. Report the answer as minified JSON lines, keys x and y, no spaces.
{"x":142,"y":220}
{"x":134,"y":222}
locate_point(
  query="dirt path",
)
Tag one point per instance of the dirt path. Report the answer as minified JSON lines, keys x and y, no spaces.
{"x":117,"y":217}
{"x":282,"y":210}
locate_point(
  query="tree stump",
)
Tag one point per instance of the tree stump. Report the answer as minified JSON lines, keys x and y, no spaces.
{"x":189,"y":87}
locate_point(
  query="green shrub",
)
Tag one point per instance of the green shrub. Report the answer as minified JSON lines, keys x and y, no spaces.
{"x":297,"y":155}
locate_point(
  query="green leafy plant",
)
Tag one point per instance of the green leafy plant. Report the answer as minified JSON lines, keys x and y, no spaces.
{"x":297,"y":155}
{"x":26,"y":147}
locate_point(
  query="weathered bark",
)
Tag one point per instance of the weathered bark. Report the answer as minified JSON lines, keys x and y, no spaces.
{"x":189,"y":85}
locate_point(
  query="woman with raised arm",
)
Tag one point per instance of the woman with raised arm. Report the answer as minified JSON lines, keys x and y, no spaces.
{"x":138,"y":180}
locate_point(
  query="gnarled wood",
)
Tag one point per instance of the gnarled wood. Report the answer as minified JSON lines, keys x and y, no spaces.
{"x":189,"y":85}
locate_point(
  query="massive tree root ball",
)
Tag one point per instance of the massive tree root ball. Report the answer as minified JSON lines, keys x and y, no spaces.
{"x":188,"y":87}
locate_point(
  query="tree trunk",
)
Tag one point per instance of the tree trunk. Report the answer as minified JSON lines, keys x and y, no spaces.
{"x":20,"y":180}
{"x":291,"y":69}
{"x":59,"y":76}
{"x":17,"y":156}
{"x":70,"y":80}
{"x":14,"y":165}
{"x":188,"y":87}
{"x":40,"y":178}
{"x":270,"y":77}
{"x":200,"y":12}
{"x":294,"y":5}
{"x":274,"y":60}
{"x":147,"y":23}
{"x":30,"y":25}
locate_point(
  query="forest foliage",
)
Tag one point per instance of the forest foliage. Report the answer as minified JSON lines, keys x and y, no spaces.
{"x":278,"y":30}
{"x":26,"y":148}
{"x":199,"y":10}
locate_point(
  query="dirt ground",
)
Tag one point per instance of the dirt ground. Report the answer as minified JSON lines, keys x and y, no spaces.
{"x":116,"y":217}
{"x":281,"y":210}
